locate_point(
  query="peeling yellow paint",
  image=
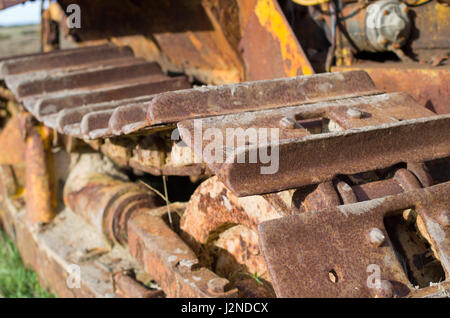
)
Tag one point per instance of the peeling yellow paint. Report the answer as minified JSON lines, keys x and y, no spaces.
{"x":272,"y":20}
{"x":443,"y":15}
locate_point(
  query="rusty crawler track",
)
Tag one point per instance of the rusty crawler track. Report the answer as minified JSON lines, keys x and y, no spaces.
{"x":357,"y":167}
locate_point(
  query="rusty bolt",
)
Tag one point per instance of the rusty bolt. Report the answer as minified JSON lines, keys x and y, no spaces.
{"x":376,"y":237}
{"x":444,"y":218}
{"x":288,"y":123}
{"x":384,"y":290}
{"x":354,"y":113}
{"x":386,"y":12}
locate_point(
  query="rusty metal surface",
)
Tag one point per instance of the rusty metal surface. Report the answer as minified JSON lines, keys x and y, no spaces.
{"x":371,"y":110}
{"x":114,"y":75}
{"x":148,"y":153}
{"x":78,"y":90}
{"x":306,"y":259}
{"x":52,"y":254}
{"x":9,"y":3}
{"x":84,"y":103}
{"x":381,"y":134}
{"x":8,"y":188}
{"x":431,"y":22}
{"x":269,"y":46}
{"x":127,"y":287}
{"x":427,"y":84}
{"x":213,"y":205}
{"x":315,"y":198}
{"x":313,"y":165}
{"x":12,"y":142}
{"x":105,"y":92}
{"x":225,"y":226}
{"x":201,"y":102}
{"x":221,"y":42}
{"x":195,"y":46}
{"x":65,"y":59}
{"x":403,"y":180}
{"x":107,"y":203}
{"x":40,"y":191}
{"x":110,"y":99}
{"x":226,"y":99}
{"x":166,"y":257}
{"x":124,"y":213}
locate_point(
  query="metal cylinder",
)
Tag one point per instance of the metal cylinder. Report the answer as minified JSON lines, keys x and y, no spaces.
{"x":383,"y":26}
{"x":107,"y":203}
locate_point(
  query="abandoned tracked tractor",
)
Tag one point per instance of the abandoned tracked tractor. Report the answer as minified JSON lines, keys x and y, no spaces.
{"x":187,"y":149}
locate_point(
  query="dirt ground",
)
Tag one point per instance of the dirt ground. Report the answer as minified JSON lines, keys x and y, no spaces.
{"x":19,"y":40}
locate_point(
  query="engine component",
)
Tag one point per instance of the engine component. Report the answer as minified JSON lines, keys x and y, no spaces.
{"x":383,"y":26}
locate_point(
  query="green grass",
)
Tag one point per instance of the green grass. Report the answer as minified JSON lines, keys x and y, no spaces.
{"x":16,"y":281}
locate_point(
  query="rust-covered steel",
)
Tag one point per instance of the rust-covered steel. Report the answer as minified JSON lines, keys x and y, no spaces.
{"x":226,"y":99}
{"x":52,"y":253}
{"x":126,"y":286}
{"x":403,"y":180}
{"x":12,"y":141}
{"x":216,"y":217}
{"x":107,"y":203}
{"x":213,"y":205}
{"x":197,"y":46}
{"x":169,"y":259}
{"x":125,"y":213}
{"x":221,"y":42}
{"x":207,"y":101}
{"x":40,"y":190}
{"x":269,"y":46}
{"x":116,"y":75}
{"x":380,"y":149}
{"x":355,"y":243}
{"x":126,"y":95}
{"x":9,"y":3}
{"x":70,"y":59}
{"x":377,"y":128}
{"x":77,"y":90}
{"x":429,"y":85}
{"x":356,"y":204}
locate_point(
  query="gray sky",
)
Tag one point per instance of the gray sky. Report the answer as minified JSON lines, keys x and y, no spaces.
{"x":28,"y":13}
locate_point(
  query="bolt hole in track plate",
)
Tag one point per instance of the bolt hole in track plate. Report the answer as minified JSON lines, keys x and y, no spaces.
{"x":333,"y":143}
{"x":332,"y":253}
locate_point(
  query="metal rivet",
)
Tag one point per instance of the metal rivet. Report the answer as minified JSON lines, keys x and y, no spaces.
{"x":376,"y":237}
{"x":288,"y":123}
{"x":354,"y":113}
